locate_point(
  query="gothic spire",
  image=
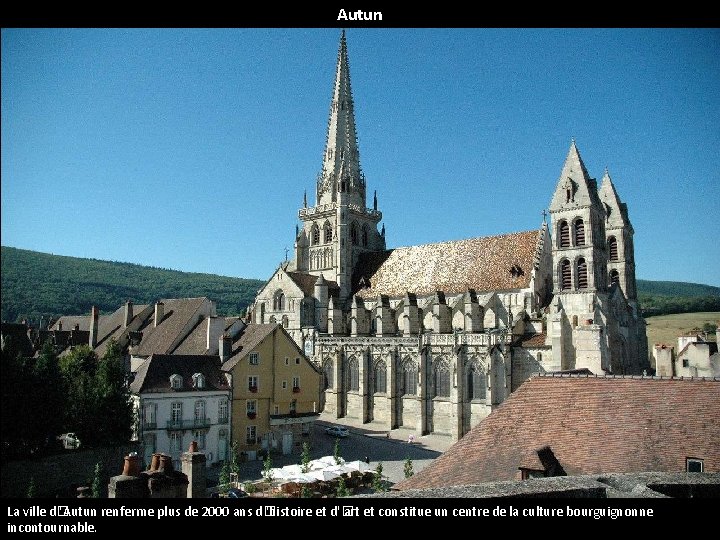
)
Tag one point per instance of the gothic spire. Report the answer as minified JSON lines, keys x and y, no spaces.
{"x":615,"y":209}
{"x":574,"y":187}
{"x":341,"y":170}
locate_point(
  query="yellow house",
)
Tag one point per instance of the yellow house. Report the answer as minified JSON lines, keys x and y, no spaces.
{"x":276,"y":390}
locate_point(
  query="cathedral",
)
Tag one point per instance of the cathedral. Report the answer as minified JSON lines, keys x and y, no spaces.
{"x":432,"y":337}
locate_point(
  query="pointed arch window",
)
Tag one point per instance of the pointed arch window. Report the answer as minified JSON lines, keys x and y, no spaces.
{"x":409,"y":387}
{"x":564,"y":233}
{"x":328,"y":233}
{"x":315,"y":235}
{"x":354,"y":234}
{"x":613,"y":248}
{"x":579,"y":232}
{"x":329,"y":373}
{"x":380,"y":377}
{"x":614,"y":276}
{"x":476,"y":385}
{"x":442,"y":379}
{"x":285,"y":321}
{"x":582,"y":274}
{"x":565,"y":275}
{"x":364,"y":236}
{"x":353,"y":375}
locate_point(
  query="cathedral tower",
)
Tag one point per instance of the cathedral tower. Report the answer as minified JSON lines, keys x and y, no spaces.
{"x":619,"y":234}
{"x":340,"y":226}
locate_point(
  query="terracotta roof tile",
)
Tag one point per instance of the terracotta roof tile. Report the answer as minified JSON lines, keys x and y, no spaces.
{"x":592,"y":425}
{"x":306,"y":282}
{"x":484,"y":264}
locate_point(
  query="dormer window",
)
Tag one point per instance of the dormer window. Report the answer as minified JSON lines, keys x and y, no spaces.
{"x":198,"y":380}
{"x":176,"y":382}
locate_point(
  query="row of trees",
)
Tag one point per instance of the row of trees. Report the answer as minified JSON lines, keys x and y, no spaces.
{"x":46,"y":395}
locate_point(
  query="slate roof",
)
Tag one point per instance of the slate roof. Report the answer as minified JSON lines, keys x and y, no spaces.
{"x":69,"y":322}
{"x":153,"y":375}
{"x":111,"y":326}
{"x":483,"y":264}
{"x":592,"y":425}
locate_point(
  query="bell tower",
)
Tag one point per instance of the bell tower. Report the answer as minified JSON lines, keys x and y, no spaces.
{"x":340,"y":226}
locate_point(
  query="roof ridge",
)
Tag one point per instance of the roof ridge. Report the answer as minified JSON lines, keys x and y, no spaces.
{"x":612,"y":376}
{"x":533,"y":231}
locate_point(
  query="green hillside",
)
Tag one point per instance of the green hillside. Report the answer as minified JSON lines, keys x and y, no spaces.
{"x":35,"y":284}
{"x":667,"y":297}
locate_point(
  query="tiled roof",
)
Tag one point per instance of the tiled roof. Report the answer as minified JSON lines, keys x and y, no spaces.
{"x":306,"y":282}
{"x":178,"y":313}
{"x":69,"y":322}
{"x":483,"y":264}
{"x":153,"y":375}
{"x":248,"y":340}
{"x":196,"y":341}
{"x":531,"y":340}
{"x":592,"y":425}
{"x":111,"y":326}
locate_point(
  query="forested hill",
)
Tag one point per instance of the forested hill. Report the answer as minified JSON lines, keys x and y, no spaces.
{"x":665,"y":297}
{"x":35,"y":284}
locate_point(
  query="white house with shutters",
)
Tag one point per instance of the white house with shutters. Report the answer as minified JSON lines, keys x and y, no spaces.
{"x":180,"y":399}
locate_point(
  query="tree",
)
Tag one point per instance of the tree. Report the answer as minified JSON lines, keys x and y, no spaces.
{"x":267,"y":468}
{"x":114,"y":404}
{"x":48,"y":377}
{"x":336,"y":452}
{"x":230,"y":467}
{"x":342,"y":490}
{"x":31,"y":491}
{"x":408,"y":468}
{"x":379,"y":484}
{"x":78,"y":369}
{"x":97,"y":482}
{"x":305,"y":458}
{"x":305,"y":492}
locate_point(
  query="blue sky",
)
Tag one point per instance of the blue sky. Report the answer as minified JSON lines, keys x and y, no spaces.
{"x":191,"y":149}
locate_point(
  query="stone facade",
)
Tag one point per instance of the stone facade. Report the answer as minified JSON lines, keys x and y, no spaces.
{"x":433,"y":337}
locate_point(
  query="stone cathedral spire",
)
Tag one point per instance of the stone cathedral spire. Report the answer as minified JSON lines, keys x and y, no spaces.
{"x":341,"y":172}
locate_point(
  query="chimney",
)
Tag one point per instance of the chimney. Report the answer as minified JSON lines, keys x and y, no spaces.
{"x":60,"y":325}
{"x":128,"y":313}
{"x":132,"y":465}
{"x":225,"y":347}
{"x":93,"y":327}
{"x":77,"y":326}
{"x":159,"y":312}
{"x":215,"y":327}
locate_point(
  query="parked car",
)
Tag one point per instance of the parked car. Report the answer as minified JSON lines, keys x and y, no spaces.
{"x":337,"y":431}
{"x":70,"y":441}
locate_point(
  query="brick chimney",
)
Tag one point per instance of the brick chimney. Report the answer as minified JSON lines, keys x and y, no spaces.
{"x":93,"y":327}
{"x":159,"y":312}
{"x":128,"y":313}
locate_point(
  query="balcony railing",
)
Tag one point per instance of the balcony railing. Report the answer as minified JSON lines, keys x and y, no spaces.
{"x":251,"y":415}
{"x":223,"y":420}
{"x":296,"y":389}
{"x":149,"y":425}
{"x":196,"y":423}
{"x":253,"y":388}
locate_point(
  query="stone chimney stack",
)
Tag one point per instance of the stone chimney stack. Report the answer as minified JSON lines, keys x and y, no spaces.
{"x":215,"y":327}
{"x":225,"y":347}
{"x":94,"y":315}
{"x":60,"y":325}
{"x":128,"y":313}
{"x":193,"y":466}
{"x":159,"y":312}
